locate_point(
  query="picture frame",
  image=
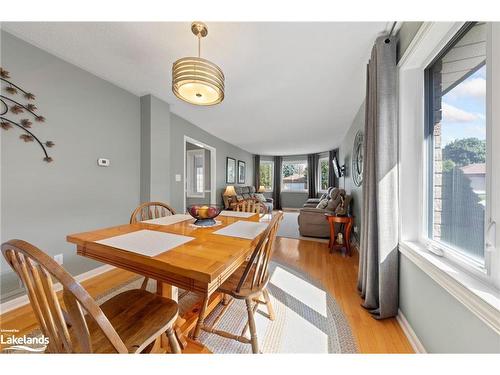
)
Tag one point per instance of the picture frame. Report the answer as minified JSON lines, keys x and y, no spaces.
{"x":242,"y":172}
{"x":230,"y":170}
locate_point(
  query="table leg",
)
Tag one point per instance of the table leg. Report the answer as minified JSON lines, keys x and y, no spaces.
{"x":201,"y":317}
{"x":331,"y":243}
{"x":348,"y":237}
{"x":172,"y":292}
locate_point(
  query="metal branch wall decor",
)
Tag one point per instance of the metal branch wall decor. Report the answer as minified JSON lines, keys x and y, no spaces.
{"x":21,"y":115}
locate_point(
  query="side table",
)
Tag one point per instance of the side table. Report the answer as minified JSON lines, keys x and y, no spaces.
{"x":347,"y":222}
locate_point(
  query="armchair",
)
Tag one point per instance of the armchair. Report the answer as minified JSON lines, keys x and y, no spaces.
{"x":312,"y":222}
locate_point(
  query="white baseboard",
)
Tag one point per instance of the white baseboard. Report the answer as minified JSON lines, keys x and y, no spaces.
{"x":23,"y":300}
{"x":410,"y":334}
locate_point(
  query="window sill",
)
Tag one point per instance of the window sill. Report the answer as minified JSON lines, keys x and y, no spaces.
{"x":480,"y":298}
{"x":295,"y":191}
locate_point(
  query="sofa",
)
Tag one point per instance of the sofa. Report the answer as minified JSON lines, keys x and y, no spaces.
{"x":313,"y":202}
{"x":312,"y":221}
{"x":245,"y":193}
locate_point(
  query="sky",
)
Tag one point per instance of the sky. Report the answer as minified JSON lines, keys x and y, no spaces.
{"x":464,"y":109}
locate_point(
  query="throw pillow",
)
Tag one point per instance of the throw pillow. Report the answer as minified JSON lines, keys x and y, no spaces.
{"x":322,"y":204}
{"x":333,"y":203}
{"x":260,"y":197}
{"x":239,"y":198}
{"x":324,"y":196}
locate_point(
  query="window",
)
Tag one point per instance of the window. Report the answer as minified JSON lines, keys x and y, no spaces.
{"x":456,"y":131}
{"x":196,"y":173}
{"x":267,"y":175}
{"x":294,"y":176}
{"x":323,"y":168}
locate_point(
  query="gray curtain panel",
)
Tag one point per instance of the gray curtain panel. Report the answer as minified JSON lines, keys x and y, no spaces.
{"x":378,"y":260}
{"x":256,"y":171}
{"x":332,"y":178}
{"x":312,"y":174}
{"x":277,"y":182}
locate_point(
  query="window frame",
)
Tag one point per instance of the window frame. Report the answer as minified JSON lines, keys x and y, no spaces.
{"x":457,"y":256}
{"x":191,"y":173}
{"x":293,"y":161}
{"x":478,"y":292}
{"x":324,"y":158}
{"x":271,"y":163}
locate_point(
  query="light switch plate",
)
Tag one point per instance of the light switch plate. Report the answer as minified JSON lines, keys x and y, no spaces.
{"x":177,"y":178}
{"x":101,"y":162}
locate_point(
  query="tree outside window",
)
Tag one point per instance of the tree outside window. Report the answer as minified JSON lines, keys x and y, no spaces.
{"x":323,"y":174}
{"x":267,"y":175}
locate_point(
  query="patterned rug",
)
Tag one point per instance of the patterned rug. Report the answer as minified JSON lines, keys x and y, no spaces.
{"x":308,"y":319}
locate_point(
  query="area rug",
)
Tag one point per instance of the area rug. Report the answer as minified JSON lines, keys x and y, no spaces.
{"x":308,"y":319}
{"x":289,"y":228}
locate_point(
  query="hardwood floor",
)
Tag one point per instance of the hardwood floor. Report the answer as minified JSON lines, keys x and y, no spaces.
{"x":336,"y":272}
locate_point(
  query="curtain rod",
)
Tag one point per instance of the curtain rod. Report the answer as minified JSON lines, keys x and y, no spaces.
{"x":392,"y":28}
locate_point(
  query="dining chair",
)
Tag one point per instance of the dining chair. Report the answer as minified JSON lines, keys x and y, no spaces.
{"x":129,"y":322}
{"x":251,"y":205}
{"x":151,"y":210}
{"x":247,"y":283}
{"x":148,"y":211}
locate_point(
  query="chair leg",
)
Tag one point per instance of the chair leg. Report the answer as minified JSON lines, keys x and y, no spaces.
{"x":201,"y":318}
{"x":225,"y":299}
{"x":270,"y":309}
{"x":172,"y":340}
{"x":145,"y":283}
{"x":253,"y":329}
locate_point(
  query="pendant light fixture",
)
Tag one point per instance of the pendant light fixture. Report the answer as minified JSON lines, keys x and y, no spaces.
{"x":196,"y":80}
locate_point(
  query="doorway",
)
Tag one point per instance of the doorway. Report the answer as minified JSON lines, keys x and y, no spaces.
{"x":199,"y":173}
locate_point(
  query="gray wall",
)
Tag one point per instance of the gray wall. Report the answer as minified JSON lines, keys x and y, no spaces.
{"x":181,"y":127}
{"x":406,"y":34}
{"x":87,"y":118}
{"x":442,"y":324}
{"x":155,"y":149}
{"x":345,"y":156}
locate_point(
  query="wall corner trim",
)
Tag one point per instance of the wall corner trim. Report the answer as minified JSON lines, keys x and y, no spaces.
{"x":23,"y":300}
{"x":410,"y":334}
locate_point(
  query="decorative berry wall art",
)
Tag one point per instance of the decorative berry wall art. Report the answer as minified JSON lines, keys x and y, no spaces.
{"x":18,"y":111}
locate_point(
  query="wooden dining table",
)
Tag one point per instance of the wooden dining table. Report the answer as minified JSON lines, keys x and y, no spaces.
{"x":200,"y":265}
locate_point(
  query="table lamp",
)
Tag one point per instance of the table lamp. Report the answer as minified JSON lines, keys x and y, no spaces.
{"x":230,"y":193}
{"x":261,"y":189}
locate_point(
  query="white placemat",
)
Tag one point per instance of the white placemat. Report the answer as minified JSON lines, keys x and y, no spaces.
{"x":146,"y":242}
{"x":168,"y":220}
{"x":236,"y":213}
{"x":243,"y":229}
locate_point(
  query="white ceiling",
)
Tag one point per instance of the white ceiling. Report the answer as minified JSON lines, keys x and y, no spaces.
{"x":291,"y":88}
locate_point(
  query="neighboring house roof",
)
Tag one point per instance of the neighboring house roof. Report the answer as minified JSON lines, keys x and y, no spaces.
{"x":294,"y":178}
{"x":477,"y":169}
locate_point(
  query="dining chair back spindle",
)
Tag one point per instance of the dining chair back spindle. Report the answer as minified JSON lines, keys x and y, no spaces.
{"x":252,"y":206}
{"x":151,"y":210}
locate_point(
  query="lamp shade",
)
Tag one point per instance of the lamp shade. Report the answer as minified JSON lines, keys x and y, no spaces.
{"x":197,"y":81}
{"x":230,"y":191}
{"x":262,"y":189}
